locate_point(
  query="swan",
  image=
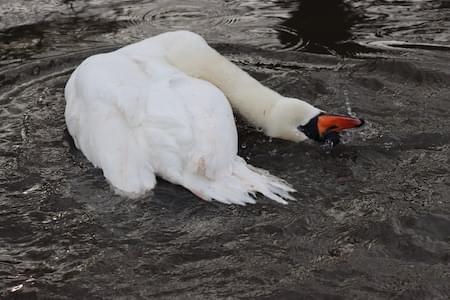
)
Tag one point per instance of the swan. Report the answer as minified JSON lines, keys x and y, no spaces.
{"x":163,"y":106}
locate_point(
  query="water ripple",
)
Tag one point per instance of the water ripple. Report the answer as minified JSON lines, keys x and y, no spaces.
{"x":371,"y":218}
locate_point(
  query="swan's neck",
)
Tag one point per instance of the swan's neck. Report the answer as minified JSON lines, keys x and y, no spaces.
{"x":278,"y":116}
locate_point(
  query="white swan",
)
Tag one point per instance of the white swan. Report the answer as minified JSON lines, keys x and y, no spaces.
{"x":162,"y":106}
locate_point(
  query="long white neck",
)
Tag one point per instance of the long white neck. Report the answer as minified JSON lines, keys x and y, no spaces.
{"x":278,"y":116}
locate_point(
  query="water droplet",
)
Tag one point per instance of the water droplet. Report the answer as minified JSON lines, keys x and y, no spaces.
{"x":16,"y":288}
{"x":327,"y":146}
{"x":243,"y":145}
{"x":35,"y":71}
{"x":32,"y":189}
{"x":348,"y":105}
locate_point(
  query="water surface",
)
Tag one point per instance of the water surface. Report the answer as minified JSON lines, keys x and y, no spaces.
{"x":372,"y":219}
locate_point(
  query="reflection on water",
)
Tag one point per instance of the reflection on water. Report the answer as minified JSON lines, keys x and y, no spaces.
{"x":372,"y":218}
{"x":318,"y":25}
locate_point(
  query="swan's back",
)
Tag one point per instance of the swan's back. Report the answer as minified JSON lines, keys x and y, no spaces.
{"x":135,"y":115}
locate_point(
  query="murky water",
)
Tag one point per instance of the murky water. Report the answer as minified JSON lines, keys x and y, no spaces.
{"x":372,"y":218}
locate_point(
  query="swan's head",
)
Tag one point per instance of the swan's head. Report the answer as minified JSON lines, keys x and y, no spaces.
{"x":325,"y":128}
{"x":297,"y":120}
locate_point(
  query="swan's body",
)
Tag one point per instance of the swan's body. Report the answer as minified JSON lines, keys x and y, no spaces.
{"x":162,"y":106}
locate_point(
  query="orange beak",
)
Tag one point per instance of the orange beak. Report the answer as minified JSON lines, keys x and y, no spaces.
{"x":327,"y":123}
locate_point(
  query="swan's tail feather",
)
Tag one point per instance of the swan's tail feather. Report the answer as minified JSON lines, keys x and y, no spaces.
{"x":241,"y":186}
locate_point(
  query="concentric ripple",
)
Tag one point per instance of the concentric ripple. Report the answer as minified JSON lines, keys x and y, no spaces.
{"x":234,"y":21}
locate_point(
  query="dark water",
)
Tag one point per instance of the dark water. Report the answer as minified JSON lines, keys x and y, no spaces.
{"x":372,"y":220}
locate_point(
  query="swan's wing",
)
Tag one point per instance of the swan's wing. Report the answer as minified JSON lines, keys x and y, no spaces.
{"x":214,"y":131}
{"x":107,"y":113}
{"x":133,"y":122}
